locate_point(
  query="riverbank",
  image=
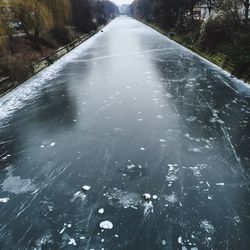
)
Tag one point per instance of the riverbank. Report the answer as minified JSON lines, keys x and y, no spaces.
{"x":220,"y":59}
{"x":23,"y":66}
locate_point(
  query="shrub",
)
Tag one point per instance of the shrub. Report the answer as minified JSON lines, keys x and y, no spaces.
{"x":17,"y":67}
{"x":218,"y":29}
{"x":4,"y":36}
{"x":62,"y":34}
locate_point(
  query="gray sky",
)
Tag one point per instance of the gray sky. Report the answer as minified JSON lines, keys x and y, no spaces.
{"x":118,"y":2}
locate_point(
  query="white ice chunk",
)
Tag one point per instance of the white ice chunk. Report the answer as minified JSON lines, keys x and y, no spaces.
{"x":220,"y":184}
{"x":131,"y":166}
{"x":4,"y":200}
{"x":86,"y":188}
{"x":163,"y":242}
{"x":106,"y":224}
{"x":148,"y":207}
{"x":62,"y":230}
{"x":147,"y":196}
{"x":72,"y":242}
{"x":101,"y":211}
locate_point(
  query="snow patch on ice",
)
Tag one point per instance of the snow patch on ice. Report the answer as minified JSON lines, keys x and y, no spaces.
{"x":191,"y":119}
{"x":148,"y":208}
{"x":172,"y":198}
{"x":123,"y":198}
{"x":172,"y":171}
{"x":79,"y":195}
{"x":16,"y":185}
{"x":46,"y":239}
{"x":207,"y":226}
{"x":198,"y":169}
{"x":194,"y":150}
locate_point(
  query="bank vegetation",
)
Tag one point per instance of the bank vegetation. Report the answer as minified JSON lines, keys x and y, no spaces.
{"x":217,"y":29}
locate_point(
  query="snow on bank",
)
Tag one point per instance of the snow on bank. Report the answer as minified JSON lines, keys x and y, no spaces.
{"x":30,"y":89}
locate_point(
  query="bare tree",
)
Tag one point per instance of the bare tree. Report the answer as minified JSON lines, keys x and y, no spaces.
{"x":246,"y":4}
{"x":34,"y":16}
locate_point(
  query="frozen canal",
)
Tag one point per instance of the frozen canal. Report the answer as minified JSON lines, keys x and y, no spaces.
{"x":125,"y":114}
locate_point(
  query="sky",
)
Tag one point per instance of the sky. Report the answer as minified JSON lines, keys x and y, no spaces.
{"x":118,"y":2}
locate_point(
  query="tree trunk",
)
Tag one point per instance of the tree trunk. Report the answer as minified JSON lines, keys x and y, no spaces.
{"x":246,"y":4}
{"x":209,"y":4}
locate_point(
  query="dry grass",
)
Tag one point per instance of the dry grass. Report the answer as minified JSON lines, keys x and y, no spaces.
{"x":17,"y":62}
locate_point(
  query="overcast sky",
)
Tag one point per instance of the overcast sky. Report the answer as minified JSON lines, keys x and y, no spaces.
{"x":118,"y":2}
